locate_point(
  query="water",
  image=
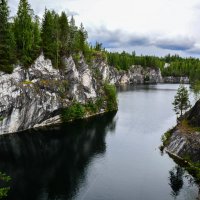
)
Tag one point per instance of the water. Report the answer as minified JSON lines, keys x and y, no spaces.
{"x":111,"y":157}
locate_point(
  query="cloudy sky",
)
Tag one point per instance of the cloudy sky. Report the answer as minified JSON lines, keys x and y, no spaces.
{"x":155,"y":27}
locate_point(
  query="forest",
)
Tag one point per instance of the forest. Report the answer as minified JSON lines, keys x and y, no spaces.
{"x":176,"y":65}
{"x":24,"y":36}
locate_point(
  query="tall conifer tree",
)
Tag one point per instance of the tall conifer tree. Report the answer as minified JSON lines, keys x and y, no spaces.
{"x":7,"y":42}
{"x":64,"y":33}
{"x":24,"y":28}
{"x":50,"y":37}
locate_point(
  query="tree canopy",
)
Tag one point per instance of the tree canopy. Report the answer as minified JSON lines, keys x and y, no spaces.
{"x":24,"y":38}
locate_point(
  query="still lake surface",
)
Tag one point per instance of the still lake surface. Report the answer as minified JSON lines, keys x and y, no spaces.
{"x":110,"y":157}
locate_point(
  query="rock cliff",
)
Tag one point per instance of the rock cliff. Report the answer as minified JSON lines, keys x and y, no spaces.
{"x":135,"y":75}
{"x":185,"y":137}
{"x":35,"y":96}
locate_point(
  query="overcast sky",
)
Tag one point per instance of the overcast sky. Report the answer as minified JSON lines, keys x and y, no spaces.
{"x":155,"y":27}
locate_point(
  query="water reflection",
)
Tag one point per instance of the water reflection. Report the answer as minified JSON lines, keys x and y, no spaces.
{"x":176,"y":180}
{"x":51,"y":164}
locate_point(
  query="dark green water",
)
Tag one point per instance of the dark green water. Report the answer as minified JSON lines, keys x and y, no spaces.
{"x":111,"y":157}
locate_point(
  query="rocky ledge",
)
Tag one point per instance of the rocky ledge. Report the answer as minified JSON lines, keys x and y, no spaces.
{"x":184,"y":139}
{"x":182,"y":142}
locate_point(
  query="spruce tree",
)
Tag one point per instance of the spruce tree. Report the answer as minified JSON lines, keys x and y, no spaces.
{"x":64,"y":33}
{"x":36,"y":38}
{"x":82,"y":38}
{"x":50,"y":37}
{"x":73,"y":36}
{"x":24,"y":33}
{"x":7,"y":41}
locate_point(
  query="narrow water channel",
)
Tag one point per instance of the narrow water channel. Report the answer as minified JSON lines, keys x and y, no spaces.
{"x":110,"y":157}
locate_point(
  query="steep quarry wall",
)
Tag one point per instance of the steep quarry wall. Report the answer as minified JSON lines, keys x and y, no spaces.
{"x":35,"y":96}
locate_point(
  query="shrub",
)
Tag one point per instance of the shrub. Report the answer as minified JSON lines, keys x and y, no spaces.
{"x":91,"y":107}
{"x":111,"y":96}
{"x":75,"y":111}
{"x":166,"y":137}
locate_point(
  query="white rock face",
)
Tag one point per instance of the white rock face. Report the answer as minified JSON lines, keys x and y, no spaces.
{"x":135,"y":75}
{"x":34,"y":97}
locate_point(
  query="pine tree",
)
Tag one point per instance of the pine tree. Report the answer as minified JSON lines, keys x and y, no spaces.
{"x":181,"y":100}
{"x":7,"y":41}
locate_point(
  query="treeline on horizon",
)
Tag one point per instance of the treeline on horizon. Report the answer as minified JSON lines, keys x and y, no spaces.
{"x":24,"y":37}
{"x":177,"y":67}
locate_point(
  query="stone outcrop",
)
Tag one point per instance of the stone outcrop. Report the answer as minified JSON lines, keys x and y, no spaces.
{"x":135,"y":75}
{"x":185,"y":141}
{"x":193,"y":116}
{"x":185,"y":146}
{"x":35,"y":96}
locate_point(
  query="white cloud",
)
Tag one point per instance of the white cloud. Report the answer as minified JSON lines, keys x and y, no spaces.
{"x":168,"y":23}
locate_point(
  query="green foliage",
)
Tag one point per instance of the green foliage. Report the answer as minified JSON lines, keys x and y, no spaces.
{"x":185,"y":127}
{"x":7,"y":42}
{"x":189,"y":67}
{"x":178,"y":66}
{"x":50,"y":37}
{"x":196,"y":89}
{"x":110,"y":97}
{"x":98,"y":47}
{"x":27,"y":82}
{"x":181,"y":100}
{"x":99,"y":103}
{"x":61,"y":38}
{"x":124,"y":60}
{"x":36,"y":38}
{"x":56,"y":37}
{"x":4,"y":190}
{"x":76,"y":58}
{"x":92,"y":107}
{"x":166,"y":137}
{"x":4,"y":177}
{"x":75,"y":111}
{"x":64,"y":33}
{"x":27,"y":34}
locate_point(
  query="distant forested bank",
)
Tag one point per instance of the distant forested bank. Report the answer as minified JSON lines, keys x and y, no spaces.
{"x":24,"y":36}
{"x":170,"y":65}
